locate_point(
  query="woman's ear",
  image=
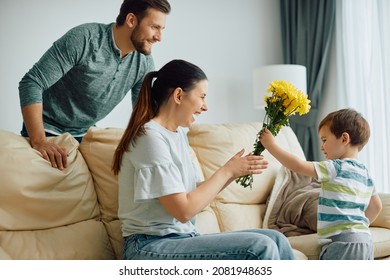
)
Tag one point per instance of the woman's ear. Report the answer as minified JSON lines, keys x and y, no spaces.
{"x":178,"y":95}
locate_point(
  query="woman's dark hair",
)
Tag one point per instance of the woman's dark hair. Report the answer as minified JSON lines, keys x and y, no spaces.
{"x":174,"y":74}
{"x":351,"y":122}
{"x":139,"y":8}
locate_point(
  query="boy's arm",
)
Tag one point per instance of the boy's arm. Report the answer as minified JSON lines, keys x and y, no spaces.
{"x":288,"y":160}
{"x":374,"y":208}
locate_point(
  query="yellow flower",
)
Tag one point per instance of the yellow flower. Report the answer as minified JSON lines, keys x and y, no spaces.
{"x":285,"y":101}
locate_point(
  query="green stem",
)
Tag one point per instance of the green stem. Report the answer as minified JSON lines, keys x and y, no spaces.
{"x":247,"y":180}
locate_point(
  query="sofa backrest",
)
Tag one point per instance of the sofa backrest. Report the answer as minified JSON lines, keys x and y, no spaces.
{"x":36,"y":196}
{"x":236,"y":207}
{"x":215,"y":144}
{"x":98,"y":147}
{"x":45,"y":213}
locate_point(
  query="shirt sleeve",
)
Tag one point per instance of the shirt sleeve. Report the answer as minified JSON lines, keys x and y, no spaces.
{"x":325,"y":170}
{"x":155,"y":171}
{"x":54,"y":64}
{"x":156,"y":181}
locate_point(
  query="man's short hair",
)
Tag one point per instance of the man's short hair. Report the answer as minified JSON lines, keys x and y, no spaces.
{"x":140,"y":7}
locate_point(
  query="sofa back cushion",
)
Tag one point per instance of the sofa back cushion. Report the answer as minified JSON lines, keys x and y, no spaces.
{"x":383,"y":219}
{"x":215,"y":144}
{"x":98,"y":147}
{"x":35,"y":195}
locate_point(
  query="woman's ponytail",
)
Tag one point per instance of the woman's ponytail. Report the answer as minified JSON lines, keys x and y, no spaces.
{"x":143,"y":111}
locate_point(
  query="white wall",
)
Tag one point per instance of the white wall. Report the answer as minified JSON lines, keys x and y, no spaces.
{"x":227,"y":39}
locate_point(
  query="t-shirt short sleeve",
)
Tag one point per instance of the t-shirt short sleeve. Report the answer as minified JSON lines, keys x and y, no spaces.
{"x":159,"y":168}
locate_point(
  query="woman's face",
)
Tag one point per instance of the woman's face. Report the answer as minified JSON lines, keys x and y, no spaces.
{"x":193,"y":104}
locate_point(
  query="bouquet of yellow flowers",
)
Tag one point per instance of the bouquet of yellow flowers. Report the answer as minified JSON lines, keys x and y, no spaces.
{"x":285,"y":101}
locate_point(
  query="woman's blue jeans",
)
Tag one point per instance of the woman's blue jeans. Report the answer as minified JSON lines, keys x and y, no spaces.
{"x":256,"y":244}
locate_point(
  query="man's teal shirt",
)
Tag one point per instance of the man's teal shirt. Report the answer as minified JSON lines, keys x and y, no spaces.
{"x":81,"y":78}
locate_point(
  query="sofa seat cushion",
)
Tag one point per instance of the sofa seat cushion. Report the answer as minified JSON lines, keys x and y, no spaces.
{"x":35,"y":195}
{"x":4,"y":255}
{"x":207,"y":222}
{"x":233,"y":217}
{"x":308,"y":244}
{"x":299,"y":255}
{"x":80,"y":241}
{"x":381,"y":237}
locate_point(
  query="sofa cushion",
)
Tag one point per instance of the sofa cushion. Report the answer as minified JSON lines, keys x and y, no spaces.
{"x":36,"y":196}
{"x":308,"y":244}
{"x":215,"y":144}
{"x":80,"y":241}
{"x":207,"y":222}
{"x":381,"y":240}
{"x":233,"y":217}
{"x":98,"y":147}
{"x":292,"y":204}
{"x":299,"y":255}
{"x":4,"y":255}
{"x":383,"y":219}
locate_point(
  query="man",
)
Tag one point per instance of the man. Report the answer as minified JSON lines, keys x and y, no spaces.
{"x":86,"y":73}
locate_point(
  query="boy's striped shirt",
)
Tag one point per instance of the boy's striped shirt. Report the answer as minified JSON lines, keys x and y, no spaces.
{"x":346,"y":190}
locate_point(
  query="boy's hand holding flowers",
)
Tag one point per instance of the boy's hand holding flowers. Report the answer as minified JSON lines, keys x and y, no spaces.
{"x":285,"y":101}
{"x":266,"y":138}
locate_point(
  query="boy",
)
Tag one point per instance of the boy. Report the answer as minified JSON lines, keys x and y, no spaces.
{"x":348,"y":202}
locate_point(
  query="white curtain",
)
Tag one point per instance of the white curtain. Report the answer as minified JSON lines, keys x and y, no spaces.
{"x":363,"y":57}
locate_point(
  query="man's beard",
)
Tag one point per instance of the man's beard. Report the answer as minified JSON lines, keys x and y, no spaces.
{"x":139,"y":45}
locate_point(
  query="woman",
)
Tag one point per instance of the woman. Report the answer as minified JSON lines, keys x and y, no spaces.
{"x":159,"y":188}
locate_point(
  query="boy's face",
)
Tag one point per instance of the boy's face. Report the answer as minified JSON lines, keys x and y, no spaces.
{"x":332,"y":147}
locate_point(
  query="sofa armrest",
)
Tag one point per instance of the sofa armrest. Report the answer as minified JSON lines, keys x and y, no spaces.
{"x":383,"y":219}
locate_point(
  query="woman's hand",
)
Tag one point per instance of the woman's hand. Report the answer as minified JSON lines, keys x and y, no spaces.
{"x":183,"y":206}
{"x":240,"y":165}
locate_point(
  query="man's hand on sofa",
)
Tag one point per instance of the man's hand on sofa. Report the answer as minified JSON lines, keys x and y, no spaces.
{"x":32,"y":117}
{"x":53,"y":153}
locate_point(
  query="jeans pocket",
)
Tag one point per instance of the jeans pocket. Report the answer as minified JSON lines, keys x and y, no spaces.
{"x":130,"y":247}
{"x":135,"y":242}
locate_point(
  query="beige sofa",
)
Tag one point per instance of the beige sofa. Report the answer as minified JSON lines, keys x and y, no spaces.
{"x":72,"y":214}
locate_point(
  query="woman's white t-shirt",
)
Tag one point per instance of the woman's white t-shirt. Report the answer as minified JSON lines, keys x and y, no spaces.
{"x":158,"y":164}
